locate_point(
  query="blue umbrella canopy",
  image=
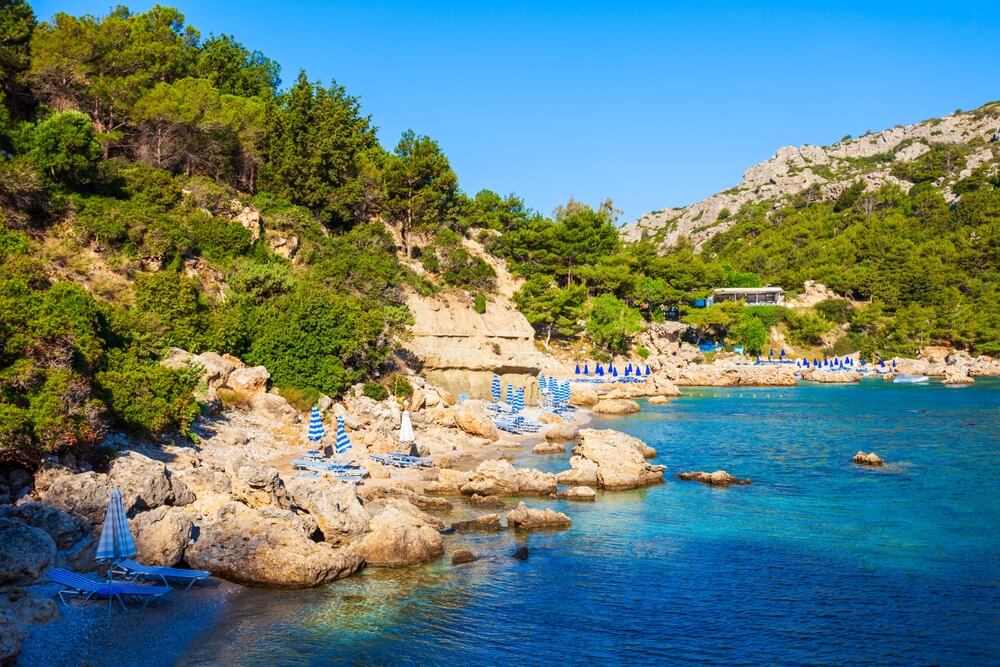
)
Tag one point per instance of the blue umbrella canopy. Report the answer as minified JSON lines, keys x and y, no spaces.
{"x":578,"y":369}
{"x":316,"y":430}
{"x":343,"y":442}
{"x":495,"y":388}
{"x":517,"y":404}
{"x":648,"y":370}
{"x":586,"y":369}
{"x":116,"y":543}
{"x":510,"y":393}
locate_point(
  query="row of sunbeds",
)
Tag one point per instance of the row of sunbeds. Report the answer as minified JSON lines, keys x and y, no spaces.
{"x":78,"y":586}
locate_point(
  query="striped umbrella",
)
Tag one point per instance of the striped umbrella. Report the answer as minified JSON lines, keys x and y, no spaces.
{"x":542,"y":381}
{"x":510,"y":393}
{"x":316,"y":430}
{"x":116,"y":543}
{"x":495,"y":388}
{"x":518,"y":402}
{"x":565,"y":393}
{"x":343,"y":442}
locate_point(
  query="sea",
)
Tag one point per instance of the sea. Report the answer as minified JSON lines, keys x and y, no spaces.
{"x":818,"y":562}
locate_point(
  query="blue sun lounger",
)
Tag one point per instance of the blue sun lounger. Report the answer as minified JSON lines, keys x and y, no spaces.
{"x":135,"y":570}
{"x":85,"y":588}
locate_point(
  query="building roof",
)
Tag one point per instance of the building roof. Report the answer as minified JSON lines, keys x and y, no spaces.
{"x":747,"y":290}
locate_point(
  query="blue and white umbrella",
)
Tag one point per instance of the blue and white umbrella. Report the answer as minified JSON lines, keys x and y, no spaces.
{"x":517,"y":404}
{"x":316,"y":430}
{"x":542,"y":381}
{"x":495,"y":388}
{"x":565,"y":393}
{"x":343,"y":442}
{"x":116,"y":543}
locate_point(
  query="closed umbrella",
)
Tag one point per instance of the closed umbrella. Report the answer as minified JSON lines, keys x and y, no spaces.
{"x":343,"y":442}
{"x":406,"y":434}
{"x":116,"y":543}
{"x":495,"y":388}
{"x":517,"y":403}
{"x":316,"y":431}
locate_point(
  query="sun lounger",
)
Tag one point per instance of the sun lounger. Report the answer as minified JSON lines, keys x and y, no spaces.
{"x":131,"y":568}
{"x":85,"y":588}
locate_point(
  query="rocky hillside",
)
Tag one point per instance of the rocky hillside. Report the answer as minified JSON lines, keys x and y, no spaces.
{"x":828,"y":170}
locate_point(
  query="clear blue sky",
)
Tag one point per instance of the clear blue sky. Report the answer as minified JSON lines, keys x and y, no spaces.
{"x":652,"y":105}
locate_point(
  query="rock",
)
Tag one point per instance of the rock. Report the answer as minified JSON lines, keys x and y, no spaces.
{"x":579,"y":493}
{"x":463,"y":556}
{"x":397,"y":539}
{"x":10,"y":641}
{"x":256,"y":485}
{"x":417,"y":400}
{"x":369,"y":494}
{"x":64,"y":530}
{"x":486,"y":502}
{"x":177,"y":359}
{"x":521,"y":553}
{"x":871,"y":459}
{"x":957,"y":375}
{"x":216,"y":368}
{"x":611,"y":460}
{"x":84,"y":495}
{"x":27,"y":609}
{"x":161,"y":535}
{"x":334,"y":505}
{"x":485,"y":522}
{"x":262,"y":548}
{"x":658,"y":400}
{"x":529,"y":518}
{"x":20,"y":482}
{"x":831,"y":377}
{"x":472,"y":418}
{"x":26,"y":552}
{"x":582,"y":395}
{"x":564,"y":431}
{"x":616,"y":406}
{"x":717,"y":478}
{"x":548,"y":448}
{"x":143,"y":482}
{"x":500,"y":478}
{"x":449,"y":481}
{"x":273,"y":406}
{"x":251,"y":380}
{"x":249,"y":218}
{"x":415,"y":512}
{"x":182,"y":494}
{"x":203,"y":480}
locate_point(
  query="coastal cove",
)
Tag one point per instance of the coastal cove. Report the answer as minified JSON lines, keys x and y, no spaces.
{"x":817,"y":561}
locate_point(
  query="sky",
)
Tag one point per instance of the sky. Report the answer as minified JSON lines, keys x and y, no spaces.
{"x":652,"y":105}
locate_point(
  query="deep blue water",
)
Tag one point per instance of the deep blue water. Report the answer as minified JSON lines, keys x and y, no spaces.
{"x":819,"y":561}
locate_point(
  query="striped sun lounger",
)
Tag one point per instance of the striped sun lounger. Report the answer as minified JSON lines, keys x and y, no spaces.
{"x":135,"y":570}
{"x":85,"y":588}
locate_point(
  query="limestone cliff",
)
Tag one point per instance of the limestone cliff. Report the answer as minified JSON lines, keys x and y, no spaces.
{"x":793,"y":169}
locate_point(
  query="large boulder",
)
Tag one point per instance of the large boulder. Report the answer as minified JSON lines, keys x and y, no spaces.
{"x":256,"y":485}
{"x":26,"y":552}
{"x":449,"y":481}
{"x":472,"y":418}
{"x":249,"y":380}
{"x":10,"y":641}
{"x":215,"y":368}
{"x":267,"y":548}
{"x":84,"y":495}
{"x":499,"y":478}
{"x":161,"y":535}
{"x":957,"y":375}
{"x":64,"y":530}
{"x":399,"y":538}
{"x":530,"y":518}
{"x":870,"y":459}
{"x":611,"y":460}
{"x":717,"y":478}
{"x":203,"y":480}
{"x":273,"y":407}
{"x":334,"y":505}
{"x":484,"y":522}
{"x":564,"y":431}
{"x":143,"y":482}
{"x":616,"y":406}
{"x":583,"y":395}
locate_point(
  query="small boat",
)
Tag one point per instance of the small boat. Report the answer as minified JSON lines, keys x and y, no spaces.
{"x":909,"y":379}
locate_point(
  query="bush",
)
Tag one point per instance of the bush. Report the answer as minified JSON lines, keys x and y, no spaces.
{"x":145,"y":397}
{"x":838,"y":311}
{"x":611,"y":324}
{"x":300,"y":399}
{"x":231,"y":398}
{"x":480,"y":304}
{"x":64,"y":147}
{"x":642,"y":352}
{"x":399,"y":386}
{"x":375,"y":391}
{"x":217,"y":238}
{"x":846,"y":344}
{"x":806,"y":329}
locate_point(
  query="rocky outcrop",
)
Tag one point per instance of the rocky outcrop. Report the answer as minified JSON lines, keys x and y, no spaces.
{"x":334,"y":505}
{"x":26,"y":552}
{"x":500,"y":478}
{"x":472,"y":418}
{"x":730,"y":373}
{"x":530,"y":518}
{"x":717,"y":478}
{"x":64,"y":530}
{"x":249,"y":380}
{"x":870,"y":459}
{"x":449,"y":482}
{"x":266,"y":547}
{"x":611,"y":460}
{"x":485,"y":523}
{"x":143,"y":482}
{"x":957,"y":375}
{"x":563,"y":431}
{"x":463,"y":556}
{"x":616,"y":406}
{"x":256,"y":485}
{"x":548,"y":448}
{"x":831,"y":377}
{"x":583,"y":395}
{"x":486,"y":502}
{"x":10,"y":641}
{"x":84,"y":495}
{"x":161,"y":535}
{"x":369,"y":493}
{"x":578,"y":493}
{"x":399,"y":538}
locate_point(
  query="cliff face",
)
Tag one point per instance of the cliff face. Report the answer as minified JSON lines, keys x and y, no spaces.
{"x":831,"y":168}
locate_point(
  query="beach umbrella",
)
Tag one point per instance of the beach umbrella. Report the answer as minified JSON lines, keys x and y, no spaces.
{"x":599,"y":370}
{"x":541,"y":380}
{"x":518,"y":400}
{"x":628,"y":371}
{"x":510,"y":393}
{"x":578,"y":369}
{"x":770,"y":353}
{"x":893,"y":363}
{"x":881,"y":363}
{"x":782,"y":353}
{"x":343,"y":442}
{"x":316,"y":430}
{"x":586,"y":369}
{"x":648,"y":371}
{"x":614,"y":372}
{"x":565,"y":393}
{"x":116,"y":543}
{"x":406,"y":428}
{"x":495,"y":388}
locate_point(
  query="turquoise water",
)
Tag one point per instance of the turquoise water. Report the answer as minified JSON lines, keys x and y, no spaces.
{"x":819,"y":561}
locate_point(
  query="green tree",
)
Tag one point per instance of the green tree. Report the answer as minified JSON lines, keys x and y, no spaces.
{"x":551,"y":309}
{"x":421,"y":188}
{"x":235,"y":70}
{"x":64,"y":147}
{"x":750,"y":332}
{"x":611,"y":324}
{"x":17,"y":22}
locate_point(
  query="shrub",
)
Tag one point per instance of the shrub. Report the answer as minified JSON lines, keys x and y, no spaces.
{"x":217,"y":238}
{"x":64,"y":147}
{"x":399,"y":386}
{"x":375,"y":391}
{"x":642,"y":352}
{"x":145,"y":397}
{"x":480,"y":304}
{"x":837,"y":311}
{"x":611,"y":323}
{"x":846,"y":344}
{"x":806,"y":329}
{"x":300,"y":399}
{"x":231,"y":398}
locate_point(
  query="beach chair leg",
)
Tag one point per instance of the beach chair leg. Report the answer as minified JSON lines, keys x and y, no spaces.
{"x":122,"y":602}
{"x":190,"y":584}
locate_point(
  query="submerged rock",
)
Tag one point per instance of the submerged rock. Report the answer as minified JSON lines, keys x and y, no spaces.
{"x":578,"y":493}
{"x":463,"y":556}
{"x":449,"y":481}
{"x":717,"y":478}
{"x":530,"y":518}
{"x":486,"y":502}
{"x":486,"y":522}
{"x":871,"y":459}
{"x":521,"y":553}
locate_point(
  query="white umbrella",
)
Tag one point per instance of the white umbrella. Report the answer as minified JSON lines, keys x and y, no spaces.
{"x":406,"y":428}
